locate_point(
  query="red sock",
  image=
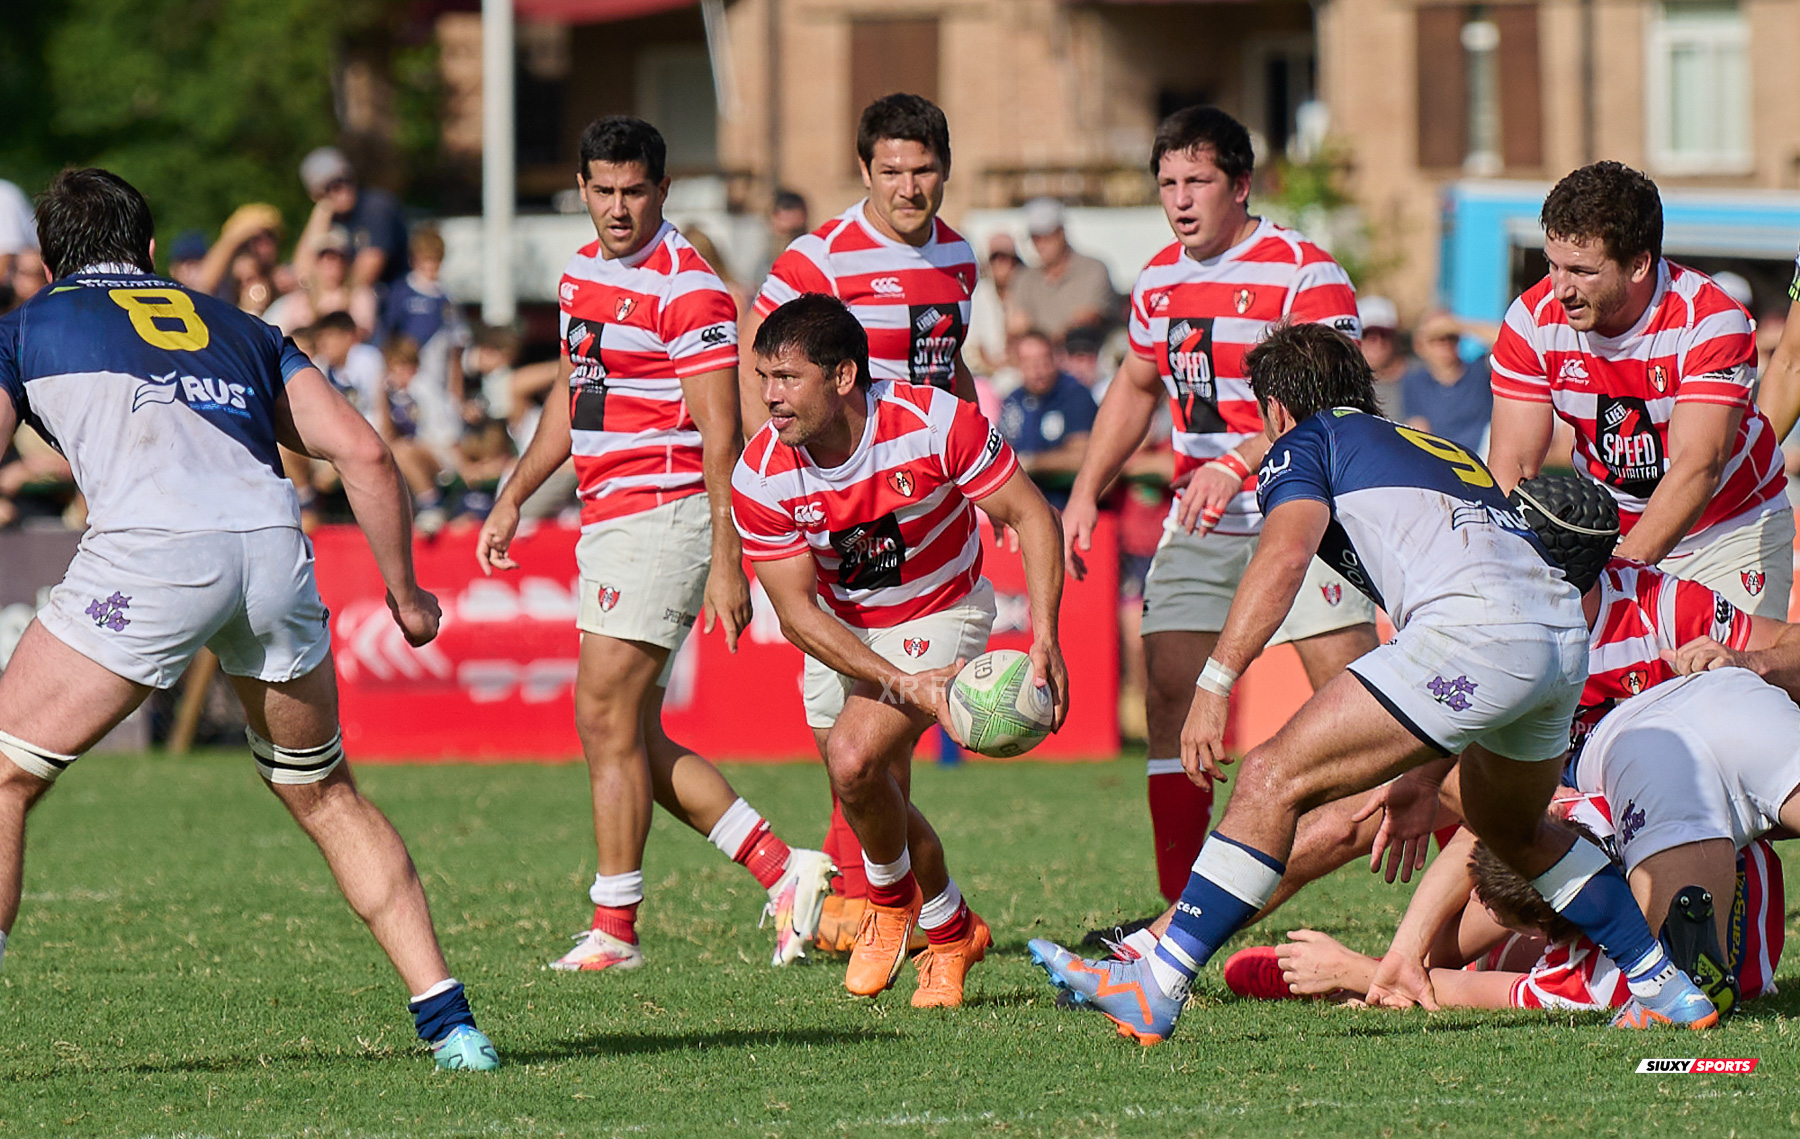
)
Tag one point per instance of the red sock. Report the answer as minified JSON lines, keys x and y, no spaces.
{"x":843,"y":848}
{"x":896,"y":895}
{"x":764,"y":855}
{"x":1179,"y":816}
{"x":619,"y":921}
{"x":955,"y":929}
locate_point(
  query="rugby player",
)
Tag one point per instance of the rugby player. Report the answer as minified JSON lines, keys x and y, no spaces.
{"x":1652,"y":365}
{"x":1488,"y":662}
{"x":857,"y":501}
{"x":1197,"y":307}
{"x":908,"y":278}
{"x":649,"y":358}
{"x":169,"y":404}
{"x":1779,"y":386}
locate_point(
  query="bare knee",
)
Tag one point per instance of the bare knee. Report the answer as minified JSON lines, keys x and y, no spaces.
{"x":1277,"y":779}
{"x":609,"y":726}
{"x":855,"y":767}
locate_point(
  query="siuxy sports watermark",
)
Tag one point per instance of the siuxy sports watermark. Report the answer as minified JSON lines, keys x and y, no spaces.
{"x":1699,"y":1067}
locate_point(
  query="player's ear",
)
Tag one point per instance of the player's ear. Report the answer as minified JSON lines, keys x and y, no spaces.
{"x":1641,"y":267}
{"x":844,"y":377}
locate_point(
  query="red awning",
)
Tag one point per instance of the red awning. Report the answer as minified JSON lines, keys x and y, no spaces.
{"x":593,"y":11}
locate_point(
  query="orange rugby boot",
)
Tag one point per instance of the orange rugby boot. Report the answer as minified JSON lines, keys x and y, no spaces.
{"x":880,"y":947}
{"x":942,"y":968}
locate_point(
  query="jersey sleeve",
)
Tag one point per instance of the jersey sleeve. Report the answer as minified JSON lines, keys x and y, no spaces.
{"x":1701,"y":611}
{"x":699,"y":324}
{"x":1322,"y":294}
{"x":975,"y":455}
{"x":292,"y":361}
{"x":12,"y":380}
{"x":1720,"y":366}
{"x":1137,"y":322}
{"x":767,"y":531}
{"x":1298,"y":466}
{"x":1516,"y":366}
{"x":798,"y":270}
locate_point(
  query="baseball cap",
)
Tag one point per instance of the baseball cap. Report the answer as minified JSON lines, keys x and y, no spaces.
{"x":322,"y":167}
{"x":1377,"y":312}
{"x":336,"y":240}
{"x":190,"y":245}
{"x":1043,"y":216}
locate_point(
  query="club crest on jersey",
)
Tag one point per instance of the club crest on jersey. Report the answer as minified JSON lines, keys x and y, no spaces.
{"x":1659,"y":378}
{"x":1753,"y":581}
{"x":1635,"y":680}
{"x":1242,"y":300}
{"x":915,"y":646}
{"x":1333,"y":592}
{"x":902,"y":482}
{"x":609,"y":597}
{"x":109,"y":613}
{"x":1453,"y":694}
{"x":623,"y":307}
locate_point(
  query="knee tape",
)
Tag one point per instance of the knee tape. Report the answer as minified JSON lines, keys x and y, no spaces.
{"x":295,"y":766}
{"x":46,"y":765}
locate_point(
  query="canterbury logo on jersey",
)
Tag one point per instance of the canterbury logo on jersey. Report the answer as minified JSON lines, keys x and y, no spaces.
{"x":198,"y":392}
{"x":715,"y":334}
{"x":886,"y":286}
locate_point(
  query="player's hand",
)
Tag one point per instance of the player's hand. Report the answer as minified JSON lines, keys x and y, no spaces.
{"x":1203,"y":754}
{"x":496,"y":538}
{"x":1079,"y":518}
{"x":727,"y":601}
{"x":929,"y":692}
{"x":1703,"y":654}
{"x":1047,"y":665}
{"x":1401,"y":981}
{"x":1408,"y":808}
{"x":1208,"y":493}
{"x":1314,"y":964}
{"x":417,"y":615}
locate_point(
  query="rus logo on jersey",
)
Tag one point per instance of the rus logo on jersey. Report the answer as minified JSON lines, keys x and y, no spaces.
{"x":198,"y":392}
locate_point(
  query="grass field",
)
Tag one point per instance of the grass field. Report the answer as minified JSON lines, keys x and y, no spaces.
{"x":184,"y":966}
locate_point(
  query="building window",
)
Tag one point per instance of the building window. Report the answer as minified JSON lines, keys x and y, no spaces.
{"x":1480,"y":105}
{"x":675,"y":91}
{"x":891,"y":56}
{"x":1698,"y":85}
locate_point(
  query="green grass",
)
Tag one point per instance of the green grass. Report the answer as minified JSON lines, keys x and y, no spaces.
{"x":184,"y":965}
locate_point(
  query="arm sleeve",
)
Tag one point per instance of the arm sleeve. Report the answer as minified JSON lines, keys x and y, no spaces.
{"x":291,"y":359}
{"x":12,"y":380}
{"x":1720,"y":367}
{"x":700,"y":326}
{"x":1517,"y":365}
{"x":793,"y":273}
{"x":1298,"y":466}
{"x":1137,"y":323}
{"x":1322,"y":294}
{"x":975,"y":455}
{"x":768,"y":534}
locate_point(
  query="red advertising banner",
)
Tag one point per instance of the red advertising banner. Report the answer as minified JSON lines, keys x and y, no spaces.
{"x":498,"y":682}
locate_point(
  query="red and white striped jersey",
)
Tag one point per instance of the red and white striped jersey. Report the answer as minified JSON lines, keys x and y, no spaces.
{"x":892,"y":530}
{"x":913,"y":301}
{"x":1694,"y":344}
{"x":632,"y":329}
{"x":1196,"y":319}
{"x":1574,"y":975}
{"x":1642,"y":612}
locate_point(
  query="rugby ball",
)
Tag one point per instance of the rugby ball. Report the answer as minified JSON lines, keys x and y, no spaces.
{"x":996,"y":706}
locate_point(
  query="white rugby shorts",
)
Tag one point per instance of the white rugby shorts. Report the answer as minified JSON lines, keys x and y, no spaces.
{"x":1751,"y":565}
{"x":924,"y":643}
{"x":1708,"y":756}
{"x":643,"y":575}
{"x":142,"y":603}
{"x":1510,"y":688}
{"x":1191,"y":581}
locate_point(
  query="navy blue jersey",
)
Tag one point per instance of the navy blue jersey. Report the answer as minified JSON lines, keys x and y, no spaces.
{"x":162,"y":398}
{"x":1417,"y":523}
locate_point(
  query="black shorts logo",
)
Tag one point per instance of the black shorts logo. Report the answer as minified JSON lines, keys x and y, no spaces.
{"x":935,"y":335}
{"x":1190,"y":358}
{"x":1628,"y":444}
{"x":870,"y":555}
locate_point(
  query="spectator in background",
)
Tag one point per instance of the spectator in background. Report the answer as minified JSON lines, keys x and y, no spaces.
{"x":36,"y":482}
{"x":1443,"y":393}
{"x":419,"y":308}
{"x":709,"y":253}
{"x":1382,"y":348}
{"x":1769,"y":328}
{"x":1080,"y":356}
{"x":1047,"y":418}
{"x":985,"y":349}
{"x":18,"y":234}
{"x":369,"y":215}
{"x":241,"y":266}
{"x":187,"y":259}
{"x":787,"y":220}
{"x":354,"y":368}
{"x":1065,"y":289}
{"x":397,"y":419}
{"x":322,"y":260}
{"x":28,"y":275}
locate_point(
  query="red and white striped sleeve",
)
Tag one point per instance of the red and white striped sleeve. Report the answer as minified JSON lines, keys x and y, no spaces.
{"x":768,"y":531}
{"x":975,"y":454}
{"x":1516,"y":366}
{"x":1322,"y":294}
{"x":799,"y":269}
{"x":1137,"y":324}
{"x":1698,"y":611}
{"x":1719,"y":366}
{"x":698,"y":321}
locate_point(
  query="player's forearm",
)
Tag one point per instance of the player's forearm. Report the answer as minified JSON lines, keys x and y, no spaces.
{"x":1519,"y":440}
{"x":1119,"y":428}
{"x":1680,"y":499}
{"x":823,"y":637}
{"x":1779,"y":394}
{"x":720,"y":457}
{"x":1439,"y":899}
{"x":1041,"y":547}
{"x":383,"y":508}
{"x":544,"y":455}
{"x":1263,"y":598}
{"x":1459,"y":989}
{"x":962,"y":381}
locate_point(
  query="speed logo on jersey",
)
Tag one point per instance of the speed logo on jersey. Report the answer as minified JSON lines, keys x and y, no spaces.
{"x":870,"y":555}
{"x":936,"y":332}
{"x":1630,"y":447}
{"x":1190,"y":354}
{"x":583,"y":342}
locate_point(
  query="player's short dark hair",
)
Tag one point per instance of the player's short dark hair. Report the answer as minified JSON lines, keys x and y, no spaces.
{"x":1576,"y":519}
{"x":339,"y":321}
{"x":1310,"y":368}
{"x":1508,"y":893}
{"x":822,"y":329}
{"x":93,"y":217}
{"x":1205,"y":128}
{"x":912,"y":118}
{"x":1609,"y":201}
{"x":620,"y":139}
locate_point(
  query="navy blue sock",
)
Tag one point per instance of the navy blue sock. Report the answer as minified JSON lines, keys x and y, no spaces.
{"x":1585,"y":887}
{"x":436,"y":1015}
{"x":1229,"y":884}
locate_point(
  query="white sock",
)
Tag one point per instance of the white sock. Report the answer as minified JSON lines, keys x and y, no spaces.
{"x":1172,"y":981}
{"x":887,"y":873}
{"x":1143,"y":941}
{"x":939,"y":910}
{"x":617,"y":889}
{"x":442,"y":986}
{"x":733,"y":827}
{"x":1163,"y":766}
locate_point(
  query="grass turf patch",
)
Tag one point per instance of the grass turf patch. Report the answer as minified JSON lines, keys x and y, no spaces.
{"x":184,"y":966}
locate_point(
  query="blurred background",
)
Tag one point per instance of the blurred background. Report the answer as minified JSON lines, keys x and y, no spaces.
{"x":392,"y":181}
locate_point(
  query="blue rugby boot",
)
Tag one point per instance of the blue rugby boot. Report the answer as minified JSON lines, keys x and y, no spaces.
{"x":1126,"y":991}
